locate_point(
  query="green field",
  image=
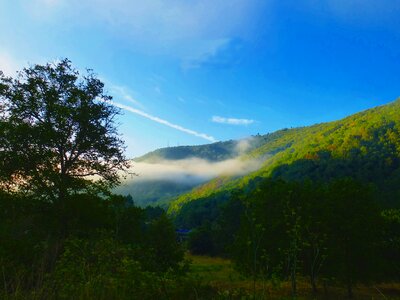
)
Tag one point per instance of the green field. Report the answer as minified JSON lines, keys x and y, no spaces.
{"x":221,"y":274}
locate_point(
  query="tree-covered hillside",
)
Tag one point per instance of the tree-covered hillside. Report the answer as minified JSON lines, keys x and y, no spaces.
{"x":365,"y":146}
{"x":158,"y":192}
{"x":218,"y":151}
{"x":148,"y":191}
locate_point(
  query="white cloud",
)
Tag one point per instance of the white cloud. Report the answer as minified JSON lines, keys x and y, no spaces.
{"x":164,"y":122}
{"x":124,"y":93}
{"x":231,"y":121}
{"x":190,"y":30}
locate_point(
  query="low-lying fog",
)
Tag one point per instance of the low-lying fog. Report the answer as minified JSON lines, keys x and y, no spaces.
{"x":189,"y":171}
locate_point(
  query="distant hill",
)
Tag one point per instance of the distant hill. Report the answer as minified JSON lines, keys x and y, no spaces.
{"x":152,"y":192}
{"x":212,"y":152}
{"x":365,"y":146}
{"x":155,"y":191}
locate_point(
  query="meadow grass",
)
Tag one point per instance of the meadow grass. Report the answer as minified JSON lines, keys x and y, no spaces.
{"x":221,"y":274}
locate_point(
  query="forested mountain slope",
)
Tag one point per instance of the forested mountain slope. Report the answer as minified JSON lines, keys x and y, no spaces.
{"x":365,"y":146}
{"x":168,"y":172}
{"x":218,"y":151}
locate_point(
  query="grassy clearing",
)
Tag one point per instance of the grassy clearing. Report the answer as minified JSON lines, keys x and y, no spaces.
{"x":220,"y":274}
{"x":214,"y":269}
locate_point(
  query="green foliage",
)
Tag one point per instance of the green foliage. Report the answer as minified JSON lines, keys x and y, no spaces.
{"x":103,"y":268}
{"x":390,"y":247}
{"x":212,"y":152}
{"x":328,"y":232}
{"x":365,"y":146}
{"x":162,"y":245}
{"x":24,"y":242}
{"x":64,"y":235}
{"x":57,"y":132}
{"x":331,"y":231}
{"x":155,"y":192}
{"x":353,"y":233}
{"x":98,"y":268}
{"x":195,"y":213}
{"x":107,"y":249}
{"x":202,"y":240}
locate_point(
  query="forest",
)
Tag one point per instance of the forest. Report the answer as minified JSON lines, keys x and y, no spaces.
{"x":320,"y":218}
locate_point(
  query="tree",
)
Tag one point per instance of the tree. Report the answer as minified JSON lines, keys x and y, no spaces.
{"x":354,"y":227}
{"x":314,"y":227}
{"x":260,"y":247}
{"x":390,"y":245}
{"x":58,"y":133}
{"x":163,"y":246}
{"x":202,"y":241}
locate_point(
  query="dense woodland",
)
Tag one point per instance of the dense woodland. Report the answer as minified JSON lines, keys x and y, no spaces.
{"x":364,"y":146}
{"x":323,"y":208}
{"x":335,"y":233}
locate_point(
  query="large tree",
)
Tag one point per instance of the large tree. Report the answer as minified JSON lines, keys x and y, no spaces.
{"x":57,"y":132}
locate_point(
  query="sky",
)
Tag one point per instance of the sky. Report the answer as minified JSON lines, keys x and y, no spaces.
{"x":189,"y":72}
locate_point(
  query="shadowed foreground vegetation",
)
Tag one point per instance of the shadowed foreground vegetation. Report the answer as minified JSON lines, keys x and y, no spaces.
{"x":326,"y":235}
{"x":114,"y":250}
{"x":110,"y":250}
{"x":222,"y":275}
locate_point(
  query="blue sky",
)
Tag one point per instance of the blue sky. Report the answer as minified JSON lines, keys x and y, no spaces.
{"x":190,"y":72}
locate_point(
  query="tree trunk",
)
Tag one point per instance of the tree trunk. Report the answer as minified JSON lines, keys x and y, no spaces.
{"x":62,"y":206}
{"x":294,"y":269}
{"x":293,"y":275}
{"x":313,"y":284}
{"x":325,"y":287}
{"x":294,"y":283}
{"x":349,"y":289}
{"x":314,"y":272}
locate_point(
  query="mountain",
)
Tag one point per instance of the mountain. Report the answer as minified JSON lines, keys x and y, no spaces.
{"x":168,"y":172}
{"x":365,"y":146}
{"x":212,"y":152}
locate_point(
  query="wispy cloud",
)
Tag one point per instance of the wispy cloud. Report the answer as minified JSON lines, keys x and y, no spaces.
{"x":192,"y":31}
{"x":204,"y":52}
{"x":9,"y":65}
{"x":221,"y":54}
{"x":124,"y":93}
{"x":164,"y":122}
{"x":231,"y":121}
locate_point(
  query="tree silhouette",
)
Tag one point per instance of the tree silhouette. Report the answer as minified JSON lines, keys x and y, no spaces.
{"x":57,"y":132}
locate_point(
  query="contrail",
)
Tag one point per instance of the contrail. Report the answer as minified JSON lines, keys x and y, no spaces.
{"x":164,"y":122}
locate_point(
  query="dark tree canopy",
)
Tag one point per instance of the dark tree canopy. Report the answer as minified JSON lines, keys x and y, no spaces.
{"x":57,"y":132}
